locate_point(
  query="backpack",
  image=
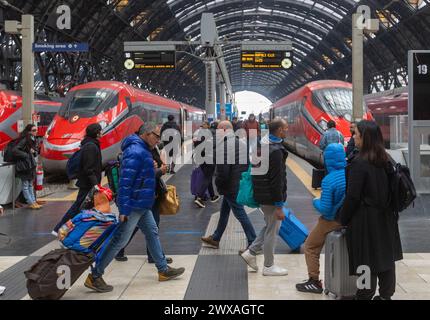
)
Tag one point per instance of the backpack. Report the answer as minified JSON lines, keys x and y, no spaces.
{"x":8,"y":151}
{"x":403,"y":191}
{"x":73,"y":165}
{"x":112,"y":172}
{"x":82,"y":232}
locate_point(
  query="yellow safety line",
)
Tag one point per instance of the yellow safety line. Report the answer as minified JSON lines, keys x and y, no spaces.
{"x":303,"y":176}
{"x":72,"y":196}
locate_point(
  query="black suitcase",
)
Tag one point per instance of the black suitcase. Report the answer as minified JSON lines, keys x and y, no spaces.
{"x":317,"y":177}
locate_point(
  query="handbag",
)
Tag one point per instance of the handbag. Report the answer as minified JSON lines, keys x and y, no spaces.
{"x":169,"y":205}
{"x":245,"y":195}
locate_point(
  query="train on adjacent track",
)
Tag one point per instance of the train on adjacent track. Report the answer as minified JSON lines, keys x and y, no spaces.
{"x":308,"y":110}
{"x":120,"y":109}
{"x":11,"y":112}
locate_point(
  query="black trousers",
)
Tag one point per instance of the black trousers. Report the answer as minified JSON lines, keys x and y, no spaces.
{"x":74,"y":209}
{"x":387,"y":285}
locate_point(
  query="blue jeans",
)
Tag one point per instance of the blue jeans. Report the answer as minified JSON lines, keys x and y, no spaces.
{"x":28,"y":191}
{"x":229,"y":203}
{"x":144,"y":219}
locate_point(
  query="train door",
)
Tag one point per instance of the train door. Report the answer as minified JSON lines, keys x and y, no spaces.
{"x":183,"y":122}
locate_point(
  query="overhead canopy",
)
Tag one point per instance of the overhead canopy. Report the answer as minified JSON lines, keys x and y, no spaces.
{"x":319,"y":29}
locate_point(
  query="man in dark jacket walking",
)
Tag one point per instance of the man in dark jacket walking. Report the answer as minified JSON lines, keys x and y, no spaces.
{"x":351,"y":148}
{"x":90,"y":170}
{"x":169,"y":138}
{"x":270,"y":191}
{"x":227,"y":182}
{"x":135,"y":200}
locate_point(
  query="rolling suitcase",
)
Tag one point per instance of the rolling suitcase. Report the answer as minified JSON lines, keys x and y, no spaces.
{"x":337,"y":279}
{"x":317,"y":177}
{"x":292,"y":231}
{"x":45,"y":278}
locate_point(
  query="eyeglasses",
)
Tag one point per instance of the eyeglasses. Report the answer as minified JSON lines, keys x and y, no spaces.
{"x":157,"y":135}
{"x":33,"y":130}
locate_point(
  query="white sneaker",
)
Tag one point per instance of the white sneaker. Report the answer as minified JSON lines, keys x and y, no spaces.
{"x":250,"y":260}
{"x":274,"y":271}
{"x":2,"y":289}
{"x":55,"y":234}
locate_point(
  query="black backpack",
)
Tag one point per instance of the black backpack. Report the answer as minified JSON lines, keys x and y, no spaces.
{"x":403,"y":191}
{"x":8,"y":151}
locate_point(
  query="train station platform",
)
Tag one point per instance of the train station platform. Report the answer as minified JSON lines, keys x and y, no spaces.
{"x":211,"y":274}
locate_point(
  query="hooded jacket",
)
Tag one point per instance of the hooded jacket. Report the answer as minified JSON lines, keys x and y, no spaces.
{"x":334,"y":183}
{"x":90,"y":169}
{"x":271,"y":188}
{"x":137,"y":177}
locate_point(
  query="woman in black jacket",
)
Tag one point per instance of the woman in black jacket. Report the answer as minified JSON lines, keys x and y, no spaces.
{"x":372,"y":227}
{"x":25,"y":152}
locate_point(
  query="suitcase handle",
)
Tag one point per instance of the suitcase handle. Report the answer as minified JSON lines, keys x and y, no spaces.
{"x":332,"y":261}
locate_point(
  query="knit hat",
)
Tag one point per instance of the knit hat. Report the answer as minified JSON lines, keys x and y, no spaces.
{"x":93,"y":130}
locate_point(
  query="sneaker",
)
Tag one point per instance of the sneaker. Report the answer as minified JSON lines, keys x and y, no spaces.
{"x":215,"y":198}
{"x":41,"y":202}
{"x":311,"y":286}
{"x":210,"y":242}
{"x":380,"y":298}
{"x":121,"y":258}
{"x":170,"y":273}
{"x":258,"y":253}
{"x":274,"y":271}
{"x":250,"y":260}
{"x":34,"y":206}
{"x":199,"y":202}
{"x":54,"y":233}
{"x":97,"y":284}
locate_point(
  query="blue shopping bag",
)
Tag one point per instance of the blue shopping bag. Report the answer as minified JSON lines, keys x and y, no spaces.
{"x":292,"y":230}
{"x":198,"y":182}
{"x":245,"y":195}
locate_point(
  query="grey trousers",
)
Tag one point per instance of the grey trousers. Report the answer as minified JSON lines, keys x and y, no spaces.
{"x":266,"y":239}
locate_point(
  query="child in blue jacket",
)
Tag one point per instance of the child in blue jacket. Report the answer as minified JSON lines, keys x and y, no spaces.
{"x":332,"y":196}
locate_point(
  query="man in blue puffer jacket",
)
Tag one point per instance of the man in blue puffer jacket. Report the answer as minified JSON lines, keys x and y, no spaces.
{"x":136,"y":197}
{"x":332,"y":196}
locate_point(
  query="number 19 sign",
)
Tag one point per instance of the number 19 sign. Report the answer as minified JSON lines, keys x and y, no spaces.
{"x":421,"y":85}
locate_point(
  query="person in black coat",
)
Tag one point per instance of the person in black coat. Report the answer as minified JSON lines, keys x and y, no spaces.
{"x":25,"y":152}
{"x":227,"y":180}
{"x":168,"y":138}
{"x":90,"y":170}
{"x":350,"y":148}
{"x":372,"y":234}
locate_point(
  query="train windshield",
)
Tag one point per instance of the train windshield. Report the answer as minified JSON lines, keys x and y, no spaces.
{"x":334,"y":101}
{"x":86,"y":102}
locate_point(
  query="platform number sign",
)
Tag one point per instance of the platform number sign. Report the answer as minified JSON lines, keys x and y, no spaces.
{"x":421,"y":86}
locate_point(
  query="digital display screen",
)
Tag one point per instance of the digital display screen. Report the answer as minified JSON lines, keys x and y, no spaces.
{"x":266,"y":60}
{"x":150,"y":60}
{"x":421,"y":86}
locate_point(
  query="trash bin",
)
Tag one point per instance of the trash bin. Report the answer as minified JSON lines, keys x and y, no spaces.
{"x":7,"y":182}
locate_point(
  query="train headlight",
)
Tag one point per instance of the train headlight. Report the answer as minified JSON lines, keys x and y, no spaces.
{"x":348,"y":117}
{"x":323,"y":124}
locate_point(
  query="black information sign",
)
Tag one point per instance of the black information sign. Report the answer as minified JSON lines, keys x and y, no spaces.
{"x":266,"y":60}
{"x":150,"y":60}
{"x":421,"y":86}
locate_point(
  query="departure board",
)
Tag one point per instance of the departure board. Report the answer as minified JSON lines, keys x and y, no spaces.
{"x":421,"y":85}
{"x":150,"y":60}
{"x":266,"y":60}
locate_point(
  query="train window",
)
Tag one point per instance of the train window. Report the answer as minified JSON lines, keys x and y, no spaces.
{"x":335,"y":101}
{"x":112,"y":103}
{"x":129,"y":103}
{"x":88,"y":99}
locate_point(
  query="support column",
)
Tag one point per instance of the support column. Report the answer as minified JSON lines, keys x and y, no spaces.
{"x":357,"y":68}
{"x":210,"y":90}
{"x":222,"y":100}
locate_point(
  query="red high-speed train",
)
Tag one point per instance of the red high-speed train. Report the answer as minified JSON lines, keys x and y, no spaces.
{"x":120,"y":109}
{"x":308,"y":110}
{"x":11,"y":112}
{"x":385,"y":104}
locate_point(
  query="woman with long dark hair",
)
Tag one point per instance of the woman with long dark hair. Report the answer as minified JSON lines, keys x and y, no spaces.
{"x":25,"y":152}
{"x":372,"y":226}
